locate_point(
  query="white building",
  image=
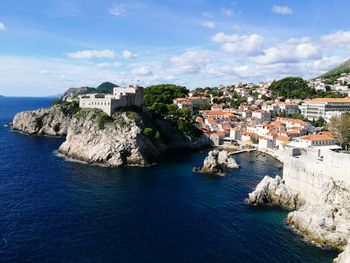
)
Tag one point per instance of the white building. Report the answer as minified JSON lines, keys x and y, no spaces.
{"x":236,"y":134}
{"x":262,"y":115}
{"x":324,"y":107}
{"x":314,"y":140}
{"x":121,"y":97}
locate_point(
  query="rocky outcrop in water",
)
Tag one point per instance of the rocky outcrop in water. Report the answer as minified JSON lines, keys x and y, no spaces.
{"x":344,"y":257}
{"x":217,"y":162}
{"x":325,"y":219}
{"x":95,"y":138}
{"x":119,"y":142}
{"x":274,"y":191}
{"x":51,"y":121}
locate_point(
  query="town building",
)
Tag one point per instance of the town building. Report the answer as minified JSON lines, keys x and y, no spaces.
{"x":314,"y":140}
{"x":324,"y":107}
{"x":183,"y":103}
{"x":121,"y":97}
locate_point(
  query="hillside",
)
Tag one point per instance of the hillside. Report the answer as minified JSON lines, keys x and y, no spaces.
{"x":336,"y":72}
{"x":73,"y":93}
{"x":106,"y":87}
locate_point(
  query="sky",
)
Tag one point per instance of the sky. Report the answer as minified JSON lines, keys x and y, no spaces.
{"x":48,"y":46}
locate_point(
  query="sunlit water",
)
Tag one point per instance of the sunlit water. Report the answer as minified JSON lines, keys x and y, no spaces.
{"x":53,"y":210}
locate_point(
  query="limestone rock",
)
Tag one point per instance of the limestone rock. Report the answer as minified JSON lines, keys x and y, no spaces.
{"x":73,"y":93}
{"x":344,"y":257}
{"x":120,"y":142}
{"x":274,"y":191}
{"x":51,"y":121}
{"x":217,"y":162}
{"x":325,"y":219}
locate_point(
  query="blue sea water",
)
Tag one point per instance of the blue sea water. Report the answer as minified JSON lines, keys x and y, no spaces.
{"x":52,"y":210}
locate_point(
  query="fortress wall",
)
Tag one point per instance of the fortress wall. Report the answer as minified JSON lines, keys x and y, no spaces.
{"x":308,"y":172}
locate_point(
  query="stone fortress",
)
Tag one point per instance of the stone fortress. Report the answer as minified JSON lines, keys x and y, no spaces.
{"x":121,"y":97}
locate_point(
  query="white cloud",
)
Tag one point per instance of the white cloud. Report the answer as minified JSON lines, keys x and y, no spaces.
{"x":340,"y":38}
{"x":109,"y":65}
{"x":227,"y":12}
{"x":2,"y":26}
{"x":192,"y":61}
{"x":88,"y":54}
{"x":208,"y":24}
{"x":247,"y":45}
{"x":282,"y":10}
{"x":128,"y":54}
{"x":289,"y":53}
{"x":142,"y":71}
{"x":207,"y":14}
{"x":117,"y":10}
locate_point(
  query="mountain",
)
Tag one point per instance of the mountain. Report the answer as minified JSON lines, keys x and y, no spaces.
{"x":106,"y":87}
{"x":336,"y":72}
{"x":73,"y":93}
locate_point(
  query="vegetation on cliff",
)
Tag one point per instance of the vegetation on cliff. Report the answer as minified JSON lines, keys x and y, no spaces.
{"x":331,"y":76}
{"x":159,"y":102}
{"x":297,"y":88}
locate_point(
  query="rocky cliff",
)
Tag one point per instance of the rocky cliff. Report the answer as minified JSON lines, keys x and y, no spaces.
{"x":51,"y":121}
{"x":274,"y":191}
{"x":320,"y":197}
{"x":128,"y":137}
{"x":119,"y":142}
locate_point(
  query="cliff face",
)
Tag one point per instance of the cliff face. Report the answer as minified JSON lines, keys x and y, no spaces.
{"x":95,"y":138}
{"x":121,"y":141}
{"x":319,"y":181}
{"x":274,"y":191}
{"x":51,"y":121}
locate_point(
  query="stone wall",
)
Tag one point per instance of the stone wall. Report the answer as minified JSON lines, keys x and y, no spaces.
{"x":306,"y":170}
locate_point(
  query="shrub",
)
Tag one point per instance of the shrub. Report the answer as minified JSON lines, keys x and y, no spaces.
{"x":151,"y":134}
{"x":133,"y":115}
{"x":55,"y":102}
{"x":102,"y":120}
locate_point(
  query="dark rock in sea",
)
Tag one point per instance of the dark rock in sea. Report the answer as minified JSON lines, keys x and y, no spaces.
{"x":217,"y":162}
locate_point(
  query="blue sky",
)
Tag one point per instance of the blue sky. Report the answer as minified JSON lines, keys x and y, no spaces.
{"x":49,"y":46}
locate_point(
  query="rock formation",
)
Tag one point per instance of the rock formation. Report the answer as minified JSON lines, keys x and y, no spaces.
{"x":316,"y":185}
{"x":73,"y":93}
{"x":95,"y":138}
{"x":325,"y":219}
{"x":51,"y":121}
{"x":344,"y":257}
{"x":274,"y":191}
{"x":119,"y":142}
{"x":217,"y":162}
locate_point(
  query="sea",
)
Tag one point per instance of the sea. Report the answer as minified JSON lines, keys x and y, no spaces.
{"x":54,"y":210}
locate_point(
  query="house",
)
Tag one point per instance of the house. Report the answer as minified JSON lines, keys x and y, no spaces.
{"x":314,"y":140}
{"x":262,"y":115}
{"x":281,"y":141}
{"x":265,"y":142}
{"x":185,"y":104}
{"x":217,"y":138}
{"x":236,"y":134}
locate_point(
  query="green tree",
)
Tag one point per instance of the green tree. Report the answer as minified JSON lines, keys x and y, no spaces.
{"x":341,"y":128}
